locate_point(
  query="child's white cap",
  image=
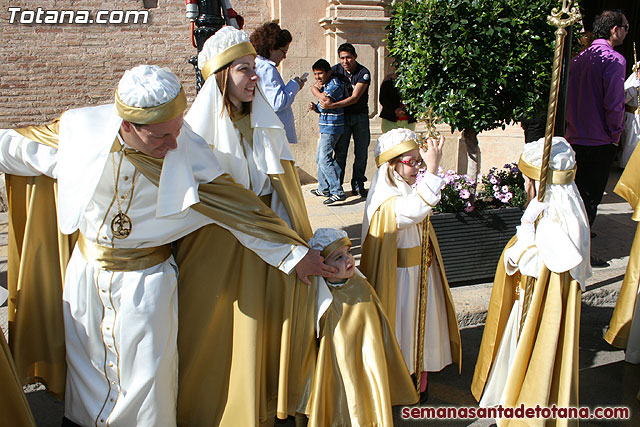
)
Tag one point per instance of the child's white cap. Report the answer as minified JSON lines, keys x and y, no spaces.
{"x":393,"y":143}
{"x":327,"y":240}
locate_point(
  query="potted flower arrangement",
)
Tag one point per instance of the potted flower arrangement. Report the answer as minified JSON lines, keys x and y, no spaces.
{"x":473,"y":228}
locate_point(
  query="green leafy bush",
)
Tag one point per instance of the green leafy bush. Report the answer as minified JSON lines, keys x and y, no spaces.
{"x":479,"y":63}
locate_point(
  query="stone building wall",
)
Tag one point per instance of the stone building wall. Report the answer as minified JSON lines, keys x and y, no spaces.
{"x":48,"y":68}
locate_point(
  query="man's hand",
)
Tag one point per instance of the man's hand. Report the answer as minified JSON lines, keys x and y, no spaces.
{"x":313,"y":107}
{"x":313,"y":265}
{"x":326,"y":103}
{"x":299,"y":81}
{"x":400,"y":112}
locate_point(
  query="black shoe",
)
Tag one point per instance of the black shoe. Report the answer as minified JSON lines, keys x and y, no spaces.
{"x":362,"y":192}
{"x":319,"y":193}
{"x":424,"y":395}
{"x":598,"y":262}
{"x":335,"y":198}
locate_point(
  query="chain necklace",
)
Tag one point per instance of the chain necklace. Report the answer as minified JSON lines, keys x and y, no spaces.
{"x":121,"y":223}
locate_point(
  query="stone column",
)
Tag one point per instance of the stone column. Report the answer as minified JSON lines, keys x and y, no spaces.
{"x":361,"y":23}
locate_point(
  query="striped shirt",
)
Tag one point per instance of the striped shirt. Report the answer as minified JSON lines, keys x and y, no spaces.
{"x":332,"y":120}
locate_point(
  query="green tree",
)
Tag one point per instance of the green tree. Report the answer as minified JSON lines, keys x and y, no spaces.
{"x":480,"y":64}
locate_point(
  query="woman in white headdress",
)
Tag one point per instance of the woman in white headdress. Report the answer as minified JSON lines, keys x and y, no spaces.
{"x":391,"y":251}
{"x":529,"y":350}
{"x":274,"y":324}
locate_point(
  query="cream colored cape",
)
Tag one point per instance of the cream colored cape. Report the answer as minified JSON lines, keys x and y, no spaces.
{"x":360,"y":372}
{"x":379,"y":264}
{"x":545,"y":367}
{"x":620,"y":325}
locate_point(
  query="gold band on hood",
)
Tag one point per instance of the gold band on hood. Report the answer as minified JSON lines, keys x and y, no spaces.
{"x":152,"y":115}
{"x":227,"y":56}
{"x":556,"y":177}
{"x":395,"y":151}
{"x":331,"y":248}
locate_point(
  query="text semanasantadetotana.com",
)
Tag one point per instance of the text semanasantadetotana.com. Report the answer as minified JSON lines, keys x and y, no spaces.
{"x":519,"y":412}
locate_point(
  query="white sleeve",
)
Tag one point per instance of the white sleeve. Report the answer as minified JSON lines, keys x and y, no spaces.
{"x":415,"y":207}
{"x":283,"y":256}
{"x":21,"y":156}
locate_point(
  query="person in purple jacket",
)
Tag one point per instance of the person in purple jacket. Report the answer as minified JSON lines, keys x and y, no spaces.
{"x":595,"y":109}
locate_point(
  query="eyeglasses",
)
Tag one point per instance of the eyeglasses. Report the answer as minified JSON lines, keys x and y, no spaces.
{"x":413,"y":163}
{"x":626,"y":27}
{"x":284,"y":52}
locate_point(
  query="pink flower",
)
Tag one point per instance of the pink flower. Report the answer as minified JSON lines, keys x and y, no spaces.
{"x":494,"y":180}
{"x":465,"y":194}
{"x":505,"y":189}
{"x":468,"y":207}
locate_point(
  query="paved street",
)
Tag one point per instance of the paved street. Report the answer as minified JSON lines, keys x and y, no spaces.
{"x":605,"y":379}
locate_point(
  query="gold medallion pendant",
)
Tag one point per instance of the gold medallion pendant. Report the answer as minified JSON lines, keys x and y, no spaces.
{"x":121,"y":225}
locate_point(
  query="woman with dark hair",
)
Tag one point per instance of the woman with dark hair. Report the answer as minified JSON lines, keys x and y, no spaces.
{"x":272,"y":44}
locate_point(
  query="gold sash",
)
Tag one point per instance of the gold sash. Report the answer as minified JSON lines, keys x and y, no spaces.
{"x":409,"y":257}
{"x":122,"y":259}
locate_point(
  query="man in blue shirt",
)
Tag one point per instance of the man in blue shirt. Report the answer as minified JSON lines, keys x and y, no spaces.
{"x":356,"y":116}
{"x":331,"y":128}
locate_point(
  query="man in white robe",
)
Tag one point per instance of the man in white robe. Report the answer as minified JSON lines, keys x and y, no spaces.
{"x":120,"y":294}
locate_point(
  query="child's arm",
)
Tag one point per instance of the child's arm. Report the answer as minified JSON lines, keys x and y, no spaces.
{"x":414,"y":208}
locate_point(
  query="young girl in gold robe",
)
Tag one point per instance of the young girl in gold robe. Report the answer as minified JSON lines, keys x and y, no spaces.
{"x":392,"y":259}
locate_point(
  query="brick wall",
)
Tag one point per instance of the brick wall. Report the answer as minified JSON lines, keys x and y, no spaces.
{"x":46,"y":69}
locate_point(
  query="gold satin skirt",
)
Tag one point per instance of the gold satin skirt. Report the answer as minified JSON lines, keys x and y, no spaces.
{"x":246,"y":339}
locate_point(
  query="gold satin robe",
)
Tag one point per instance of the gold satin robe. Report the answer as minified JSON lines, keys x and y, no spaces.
{"x":545,"y":367}
{"x":360,"y":372}
{"x":379,"y":264}
{"x":620,"y":325}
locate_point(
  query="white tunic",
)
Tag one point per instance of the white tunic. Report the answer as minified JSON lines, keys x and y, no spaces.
{"x":121,"y":327}
{"x":411,"y":210}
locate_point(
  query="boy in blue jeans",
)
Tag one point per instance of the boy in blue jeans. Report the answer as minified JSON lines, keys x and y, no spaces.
{"x":331,"y":127}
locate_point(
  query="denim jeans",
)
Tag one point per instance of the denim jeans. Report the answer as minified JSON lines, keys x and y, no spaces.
{"x":358,"y":126}
{"x":328,"y":179}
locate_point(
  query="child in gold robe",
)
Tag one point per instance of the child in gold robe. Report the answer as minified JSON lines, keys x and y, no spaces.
{"x":360,"y":371}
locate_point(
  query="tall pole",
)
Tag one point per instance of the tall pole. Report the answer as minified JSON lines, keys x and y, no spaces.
{"x":209,"y":20}
{"x":561,"y":19}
